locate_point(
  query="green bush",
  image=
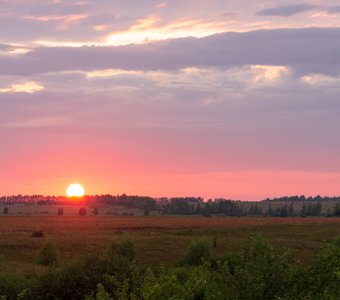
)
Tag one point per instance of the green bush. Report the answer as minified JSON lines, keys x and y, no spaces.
{"x":259,"y":273}
{"x":198,"y":251}
{"x":11,"y":286}
{"x":82,"y":277}
{"x":324,"y":273}
{"x":48,"y":255}
{"x":124,"y":248}
{"x":100,"y":294}
{"x":38,"y":233}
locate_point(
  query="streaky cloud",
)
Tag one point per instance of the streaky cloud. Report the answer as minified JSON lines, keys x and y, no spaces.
{"x":286,"y":10}
{"x":292,"y":10}
{"x":305,"y":51}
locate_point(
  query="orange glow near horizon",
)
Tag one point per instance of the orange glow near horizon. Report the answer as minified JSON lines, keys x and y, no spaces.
{"x":75,"y":190}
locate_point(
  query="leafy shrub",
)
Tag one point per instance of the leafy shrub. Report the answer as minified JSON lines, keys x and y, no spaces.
{"x":124,"y":248}
{"x":82,"y":277}
{"x":48,"y":255}
{"x":38,"y":233}
{"x":6,"y":210}
{"x":11,"y":286}
{"x":180,"y":283}
{"x":198,"y":251}
{"x":60,"y":211}
{"x":324,"y":273}
{"x":260,"y":273}
{"x":100,"y":294}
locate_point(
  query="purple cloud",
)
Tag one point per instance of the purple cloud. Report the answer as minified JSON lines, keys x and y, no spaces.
{"x":334,"y":9}
{"x":304,"y":50}
{"x":286,"y":10}
{"x":294,"y":9}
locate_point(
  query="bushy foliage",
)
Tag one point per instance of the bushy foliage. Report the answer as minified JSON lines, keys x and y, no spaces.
{"x":82,"y":278}
{"x":179,"y":283}
{"x":198,"y":251}
{"x":38,"y":233}
{"x":100,"y":294}
{"x":60,"y":211}
{"x":124,"y":248}
{"x":259,"y":272}
{"x":11,"y":286}
{"x":324,"y":273}
{"x":48,"y":255}
{"x":73,"y":281}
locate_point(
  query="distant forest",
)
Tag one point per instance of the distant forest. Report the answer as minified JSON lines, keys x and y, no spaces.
{"x":276,"y":207}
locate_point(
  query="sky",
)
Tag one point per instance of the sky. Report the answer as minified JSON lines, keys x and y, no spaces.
{"x":215,"y":98}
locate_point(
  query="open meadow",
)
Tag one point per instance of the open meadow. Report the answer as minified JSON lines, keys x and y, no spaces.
{"x":159,"y":240}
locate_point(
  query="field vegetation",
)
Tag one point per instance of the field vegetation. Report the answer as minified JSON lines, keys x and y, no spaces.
{"x":143,"y":257}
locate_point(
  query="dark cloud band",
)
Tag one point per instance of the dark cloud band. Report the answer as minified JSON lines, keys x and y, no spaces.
{"x":304,"y":50}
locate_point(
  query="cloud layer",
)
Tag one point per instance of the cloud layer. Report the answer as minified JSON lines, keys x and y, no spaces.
{"x":173,"y":97}
{"x":294,"y":9}
{"x":304,"y":50}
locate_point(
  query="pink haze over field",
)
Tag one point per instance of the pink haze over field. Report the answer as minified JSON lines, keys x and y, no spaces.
{"x":235,"y":99}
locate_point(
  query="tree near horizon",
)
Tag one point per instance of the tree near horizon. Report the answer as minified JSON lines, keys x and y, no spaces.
{"x":82,"y":211}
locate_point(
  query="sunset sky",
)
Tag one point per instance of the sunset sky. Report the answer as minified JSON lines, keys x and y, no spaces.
{"x":214,"y":98}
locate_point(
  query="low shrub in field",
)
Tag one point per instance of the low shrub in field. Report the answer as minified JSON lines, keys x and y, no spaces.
{"x":198,"y":251}
{"x":48,"y":255}
{"x":124,"y":248}
{"x":324,"y":273}
{"x":178,"y":283}
{"x":259,"y":273}
{"x":38,"y":233}
{"x":11,"y":286}
{"x":82,"y":277}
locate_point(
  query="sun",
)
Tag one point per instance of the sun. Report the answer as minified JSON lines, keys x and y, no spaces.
{"x":75,"y":190}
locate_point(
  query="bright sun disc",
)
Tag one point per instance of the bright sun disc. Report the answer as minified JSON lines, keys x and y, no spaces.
{"x":75,"y":190}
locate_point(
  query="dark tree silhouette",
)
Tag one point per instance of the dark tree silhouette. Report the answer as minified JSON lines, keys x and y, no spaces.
{"x":95,"y":211}
{"x":82,"y":211}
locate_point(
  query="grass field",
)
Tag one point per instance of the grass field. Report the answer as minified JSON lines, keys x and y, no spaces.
{"x":159,"y":240}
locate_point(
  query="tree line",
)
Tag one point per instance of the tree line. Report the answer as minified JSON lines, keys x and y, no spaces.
{"x":290,"y":206}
